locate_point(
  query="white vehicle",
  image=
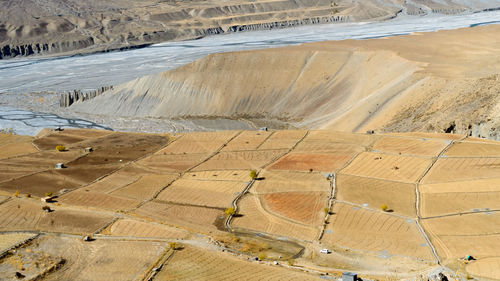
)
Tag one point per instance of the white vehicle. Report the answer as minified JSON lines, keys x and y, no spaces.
{"x":325,"y":251}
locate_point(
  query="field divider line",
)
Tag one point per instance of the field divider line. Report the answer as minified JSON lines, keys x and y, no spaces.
{"x":106,"y":225}
{"x":462,"y":214}
{"x":20,"y":244}
{"x":374,"y":210}
{"x":417,"y":199}
{"x":154,"y":268}
{"x":268,"y":137}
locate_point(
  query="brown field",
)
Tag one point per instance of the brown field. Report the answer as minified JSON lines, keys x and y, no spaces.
{"x":16,"y":149}
{"x":428,"y":135}
{"x":248,"y":140}
{"x":256,"y":218}
{"x":191,"y":217}
{"x":193,"y":263}
{"x":26,"y":214}
{"x":203,"y":193}
{"x":462,"y":169}
{"x":220,"y":175}
{"x":342,"y":137}
{"x":472,"y":149}
{"x":99,"y":260}
{"x":205,"y":142}
{"x":112,"y":182}
{"x":457,"y":202}
{"x":286,"y":181}
{"x":322,"y":162}
{"x":387,"y":166}
{"x":86,"y":134}
{"x":240,"y":160}
{"x":410,"y":146}
{"x":399,"y":197}
{"x":11,"y":138}
{"x":9,"y":240}
{"x":486,"y":268}
{"x":50,"y":141}
{"x":283,"y":139}
{"x":135,"y":228}
{"x":302,"y":207}
{"x":361,"y":229}
{"x":171,"y":163}
{"x":145,"y":187}
{"x":98,"y":200}
{"x":328,"y":147}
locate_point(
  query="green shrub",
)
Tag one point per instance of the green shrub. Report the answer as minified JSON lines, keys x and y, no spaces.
{"x":384,"y":207}
{"x":253,"y":174}
{"x":229,"y":211}
{"x":48,"y":194}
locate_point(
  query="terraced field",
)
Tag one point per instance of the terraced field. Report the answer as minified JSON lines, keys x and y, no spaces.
{"x":314,"y":190}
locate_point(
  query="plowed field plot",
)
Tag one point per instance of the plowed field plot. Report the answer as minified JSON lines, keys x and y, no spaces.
{"x":462,"y":169}
{"x":220,"y":175}
{"x":87,"y":133}
{"x":471,"y":149}
{"x":203,"y":193}
{"x":248,"y":140}
{"x":457,"y":202}
{"x":429,"y":135}
{"x":387,"y":166}
{"x":453,"y":247}
{"x":206,"y":142}
{"x":98,"y":200}
{"x":172,"y":163}
{"x":8,"y":138}
{"x":486,"y":268}
{"x":119,"y":147}
{"x":302,"y":207}
{"x":240,"y":160}
{"x":146,"y":187}
{"x":10,"y":240}
{"x":40,"y":183}
{"x":373,"y":231}
{"x":256,"y":218}
{"x":112,"y":182}
{"x":191,"y":217}
{"x":410,"y":146}
{"x":328,"y":147}
{"x":193,"y":263}
{"x":467,"y":224}
{"x":480,"y":140}
{"x":373,"y":193}
{"x":342,"y":137}
{"x":42,"y":160}
{"x":322,"y":162}
{"x":285,"y":181}
{"x":16,"y":149}
{"x":283,"y":140}
{"x":134,"y":228}
{"x":25,"y":214}
{"x":99,"y":260}
{"x":49,"y":142}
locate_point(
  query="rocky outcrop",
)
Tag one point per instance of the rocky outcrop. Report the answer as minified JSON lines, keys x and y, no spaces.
{"x":288,"y":23}
{"x":10,"y":51}
{"x":67,"y":99}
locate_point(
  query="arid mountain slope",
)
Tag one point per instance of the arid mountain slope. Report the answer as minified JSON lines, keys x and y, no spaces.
{"x":447,"y":80}
{"x":31,"y":27}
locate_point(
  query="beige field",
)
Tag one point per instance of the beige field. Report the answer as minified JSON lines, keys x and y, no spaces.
{"x":112,"y":182}
{"x":240,"y":160}
{"x":257,"y":219}
{"x":302,"y":207}
{"x":248,"y":140}
{"x":388,"y":166}
{"x":487,"y":268}
{"x":203,"y":193}
{"x":97,"y":200}
{"x":25,"y":214}
{"x":193,"y":263}
{"x":9,"y":240}
{"x":462,"y":169}
{"x":283,"y":139}
{"x":411,"y":146}
{"x":471,"y":149}
{"x":323,"y":162}
{"x":287,"y":181}
{"x":220,"y":175}
{"x":145,"y":187}
{"x":399,"y":197}
{"x":135,"y":228}
{"x":16,"y":149}
{"x":457,"y":202}
{"x":361,"y":229}
{"x":328,"y":147}
{"x":190,"y":217}
{"x":428,"y":135}
{"x":172,"y":163}
{"x":341,"y":137}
